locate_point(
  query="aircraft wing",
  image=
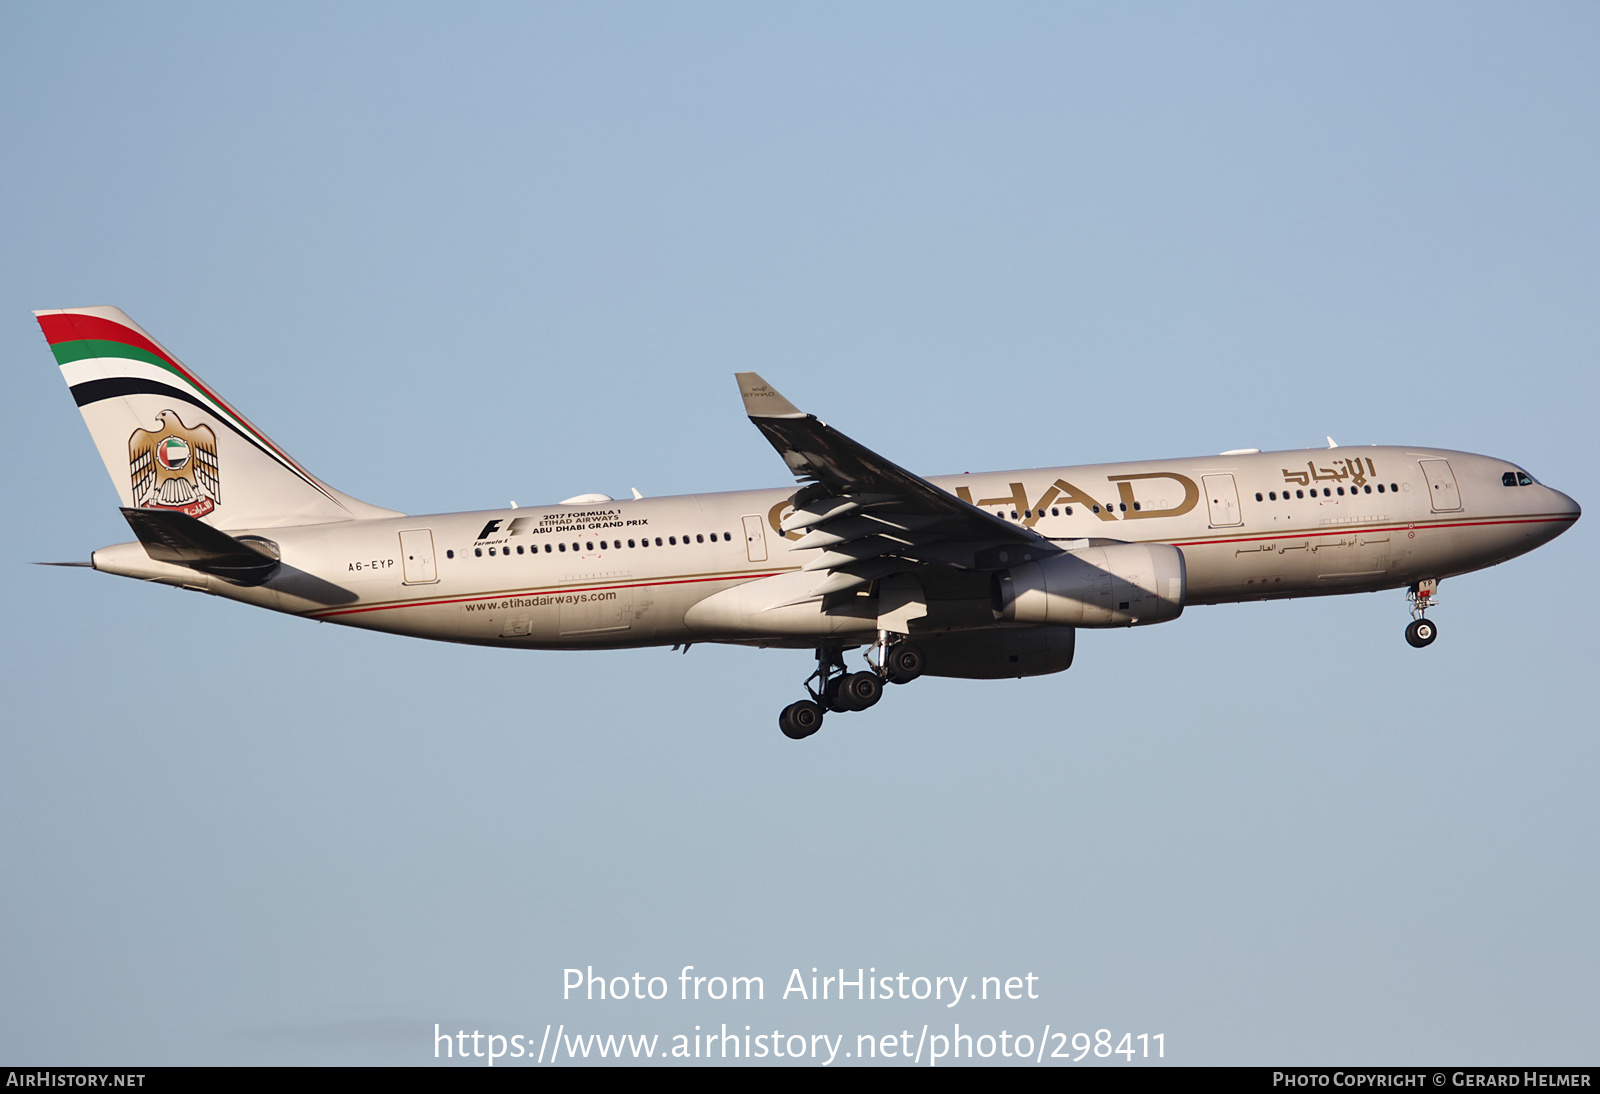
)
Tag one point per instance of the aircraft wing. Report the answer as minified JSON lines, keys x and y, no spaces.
{"x":871,"y":516}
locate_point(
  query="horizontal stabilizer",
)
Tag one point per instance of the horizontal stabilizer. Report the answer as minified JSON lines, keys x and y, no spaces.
{"x":171,"y":536}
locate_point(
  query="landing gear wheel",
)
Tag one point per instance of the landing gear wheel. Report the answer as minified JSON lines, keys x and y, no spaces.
{"x":904,"y":663}
{"x":859,"y":690}
{"x":1420,"y":632}
{"x":834,"y":698}
{"x":800,"y":720}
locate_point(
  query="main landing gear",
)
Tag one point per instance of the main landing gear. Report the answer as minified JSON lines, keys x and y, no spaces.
{"x":1423,"y":595}
{"x":841,"y":691}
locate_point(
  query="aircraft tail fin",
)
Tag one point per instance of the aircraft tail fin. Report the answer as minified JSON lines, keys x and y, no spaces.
{"x":170,"y":442}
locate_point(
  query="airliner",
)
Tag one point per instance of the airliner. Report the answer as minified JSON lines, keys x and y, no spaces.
{"x":979,"y":576}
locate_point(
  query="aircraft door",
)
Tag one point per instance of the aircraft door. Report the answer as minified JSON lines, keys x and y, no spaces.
{"x":1222,"y":500}
{"x":416,"y":557}
{"x":1442,"y":492}
{"x":755,"y":539}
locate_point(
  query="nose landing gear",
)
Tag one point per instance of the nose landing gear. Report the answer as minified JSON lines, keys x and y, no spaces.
{"x":1419,"y":632}
{"x":842,"y":691}
{"x":1423,"y":595}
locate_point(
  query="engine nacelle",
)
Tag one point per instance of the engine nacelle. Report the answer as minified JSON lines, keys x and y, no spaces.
{"x":1123,"y":585}
{"x":997,"y":654}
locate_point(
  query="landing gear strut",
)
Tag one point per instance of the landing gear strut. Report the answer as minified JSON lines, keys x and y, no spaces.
{"x":1423,"y":595}
{"x":833,"y":687}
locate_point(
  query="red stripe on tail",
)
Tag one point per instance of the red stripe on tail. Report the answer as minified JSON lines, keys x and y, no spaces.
{"x":70,"y":328}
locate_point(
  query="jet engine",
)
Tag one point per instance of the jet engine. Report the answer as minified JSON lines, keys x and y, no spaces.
{"x":998,"y":654}
{"x":1121,"y":585}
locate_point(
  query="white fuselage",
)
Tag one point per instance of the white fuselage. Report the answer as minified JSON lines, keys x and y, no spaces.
{"x":628,"y":573}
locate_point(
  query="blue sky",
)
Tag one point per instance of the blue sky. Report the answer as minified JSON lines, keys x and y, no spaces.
{"x":453,"y":258}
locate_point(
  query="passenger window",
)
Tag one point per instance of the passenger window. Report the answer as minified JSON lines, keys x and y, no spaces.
{"x":1259,"y":497}
{"x":449,"y":554}
{"x":630,"y":543}
{"x":1136,"y":507}
{"x":1069,"y":510}
{"x":1380,"y":488}
{"x":658,"y":541}
{"x":1055,"y":511}
{"x":698,"y":538}
{"x":491,"y":552}
{"x":1394,"y":488}
{"x":478,"y":551}
{"x":672,"y":541}
{"x":561,"y":546}
{"x":1366,"y":489}
{"x":519,"y":549}
{"x":1096,"y":508}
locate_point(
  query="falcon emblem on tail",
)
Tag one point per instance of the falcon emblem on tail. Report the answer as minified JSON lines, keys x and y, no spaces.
{"x":175,"y":467}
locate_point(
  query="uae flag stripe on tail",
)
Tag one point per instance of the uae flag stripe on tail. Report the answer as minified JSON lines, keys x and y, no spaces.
{"x":62,"y":329}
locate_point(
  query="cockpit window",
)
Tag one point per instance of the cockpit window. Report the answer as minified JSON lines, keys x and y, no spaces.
{"x":1524,"y":479}
{"x":1516,"y":478}
{"x":1508,"y":479}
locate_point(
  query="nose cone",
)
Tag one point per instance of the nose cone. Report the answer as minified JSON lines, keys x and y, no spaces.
{"x":1565,"y":505}
{"x":1566,"y":510}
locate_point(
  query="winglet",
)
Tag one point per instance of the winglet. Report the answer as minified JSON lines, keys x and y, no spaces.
{"x":761,"y":400}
